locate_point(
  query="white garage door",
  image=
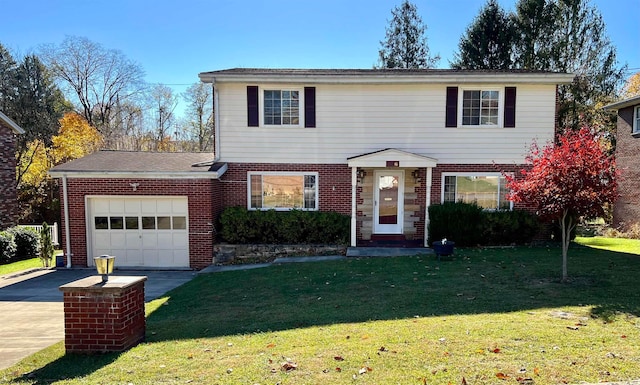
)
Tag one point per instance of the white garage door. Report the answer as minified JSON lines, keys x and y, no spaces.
{"x":149,"y":232}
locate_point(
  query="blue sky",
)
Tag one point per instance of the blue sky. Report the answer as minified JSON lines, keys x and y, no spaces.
{"x":175,"y":40}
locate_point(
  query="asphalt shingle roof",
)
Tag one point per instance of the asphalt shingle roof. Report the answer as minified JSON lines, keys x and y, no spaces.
{"x":132,"y":161}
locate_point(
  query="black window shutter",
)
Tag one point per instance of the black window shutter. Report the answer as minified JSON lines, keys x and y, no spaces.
{"x":253,"y":119}
{"x":309,"y":106}
{"x":510,"y":106}
{"x":451,"y":119}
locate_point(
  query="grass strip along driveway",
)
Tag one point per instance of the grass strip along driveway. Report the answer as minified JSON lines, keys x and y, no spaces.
{"x":487,"y":316}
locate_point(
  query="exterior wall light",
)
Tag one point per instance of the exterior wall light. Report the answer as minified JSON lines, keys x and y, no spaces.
{"x":104,"y":265}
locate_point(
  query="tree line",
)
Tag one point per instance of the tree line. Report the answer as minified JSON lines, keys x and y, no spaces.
{"x":80,"y":94}
{"x":538,"y":35}
{"x":77,"y":97}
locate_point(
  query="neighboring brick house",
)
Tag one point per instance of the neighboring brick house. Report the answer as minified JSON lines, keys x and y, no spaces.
{"x":377,"y":145}
{"x":626,"y":211}
{"x":8,"y":195}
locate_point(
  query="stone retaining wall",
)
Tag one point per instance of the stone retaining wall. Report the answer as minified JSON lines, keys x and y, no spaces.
{"x":226,"y":254}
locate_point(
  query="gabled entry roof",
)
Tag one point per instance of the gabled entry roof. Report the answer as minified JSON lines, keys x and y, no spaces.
{"x":391,"y":157}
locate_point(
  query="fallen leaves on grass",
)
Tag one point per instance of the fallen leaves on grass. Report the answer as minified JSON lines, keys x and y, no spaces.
{"x":338,"y":358}
{"x":288,"y":366}
{"x":502,"y":376}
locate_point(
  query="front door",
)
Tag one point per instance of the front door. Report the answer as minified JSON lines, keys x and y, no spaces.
{"x":388,"y":202}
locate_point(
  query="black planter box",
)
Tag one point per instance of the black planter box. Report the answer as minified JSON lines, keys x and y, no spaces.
{"x":443,"y":250}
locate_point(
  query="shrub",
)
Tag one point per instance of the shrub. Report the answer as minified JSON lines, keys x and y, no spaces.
{"x":27,"y":242}
{"x":7,"y":247}
{"x":239,"y":225}
{"x":508,"y":227}
{"x":457,"y":221}
{"x":46,"y":247}
{"x":467,"y":224}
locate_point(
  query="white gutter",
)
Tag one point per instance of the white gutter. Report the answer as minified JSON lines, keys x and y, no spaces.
{"x":216,"y":122}
{"x":141,"y":174}
{"x":354,"y":187}
{"x":67,"y":235}
{"x":391,"y":78}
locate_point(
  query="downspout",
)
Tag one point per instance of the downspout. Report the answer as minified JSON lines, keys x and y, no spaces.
{"x":216,"y":122}
{"x":354,"y":187}
{"x":426,"y":210}
{"x":67,"y":235}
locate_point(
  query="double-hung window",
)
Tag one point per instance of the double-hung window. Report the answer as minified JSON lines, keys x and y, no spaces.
{"x":636,"y":120}
{"x":281,"y":107}
{"x":283,"y":191}
{"x":489,"y":191}
{"x":480,"y":107}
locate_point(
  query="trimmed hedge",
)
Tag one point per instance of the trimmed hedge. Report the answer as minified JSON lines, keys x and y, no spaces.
{"x":467,"y":224}
{"x":242,"y":226}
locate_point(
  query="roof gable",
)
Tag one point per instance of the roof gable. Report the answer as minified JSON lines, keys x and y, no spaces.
{"x":633,"y":101}
{"x":383,"y":157}
{"x":11,"y":124}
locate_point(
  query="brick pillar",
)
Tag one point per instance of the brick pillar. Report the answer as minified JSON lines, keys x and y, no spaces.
{"x":103,"y":317}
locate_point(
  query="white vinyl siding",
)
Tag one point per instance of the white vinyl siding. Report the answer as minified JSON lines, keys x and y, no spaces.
{"x":353,"y":119}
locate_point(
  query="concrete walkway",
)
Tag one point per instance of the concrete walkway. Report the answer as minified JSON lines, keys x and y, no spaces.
{"x":31,"y":306}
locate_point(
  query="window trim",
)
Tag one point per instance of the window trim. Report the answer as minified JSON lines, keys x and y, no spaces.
{"x":501,"y":92}
{"x":636,"y":121}
{"x":301,"y":106}
{"x":467,"y":174}
{"x":283,"y":173}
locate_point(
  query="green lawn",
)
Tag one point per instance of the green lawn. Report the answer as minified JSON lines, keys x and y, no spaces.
{"x":20,"y":266}
{"x":486,"y":316}
{"x":614,"y":244}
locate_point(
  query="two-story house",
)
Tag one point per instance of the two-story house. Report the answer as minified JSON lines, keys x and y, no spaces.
{"x":377,"y":145}
{"x":626,"y":211}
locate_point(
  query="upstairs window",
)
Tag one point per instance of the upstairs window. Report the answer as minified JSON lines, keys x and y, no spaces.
{"x":480,"y":107}
{"x":488,"y":191}
{"x":282,"y":107}
{"x":636,"y":120}
{"x":283,"y":191}
{"x":473,"y":107}
{"x":269,"y":107}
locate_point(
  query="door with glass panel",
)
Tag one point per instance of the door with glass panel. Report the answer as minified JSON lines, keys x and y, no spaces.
{"x":388,"y":202}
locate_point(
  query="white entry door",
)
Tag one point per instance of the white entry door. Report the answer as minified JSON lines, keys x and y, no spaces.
{"x":388,"y":202}
{"x":139,"y":231}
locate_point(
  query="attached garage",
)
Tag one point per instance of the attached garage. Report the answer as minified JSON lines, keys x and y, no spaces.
{"x":141,"y":232}
{"x":149,"y":210}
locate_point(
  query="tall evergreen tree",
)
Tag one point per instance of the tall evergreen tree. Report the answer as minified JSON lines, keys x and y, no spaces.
{"x":8,"y":75}
{"x":488,"y":41}
{"x":534,"y":23}
{"x":405,"y":44}
{"x":564,"y":36}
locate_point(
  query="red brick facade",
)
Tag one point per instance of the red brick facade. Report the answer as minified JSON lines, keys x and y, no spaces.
{"x":8,"y":195}
{"x":627,"y":209}
{"x":203,"y":203}
{"x":100,"y":318}
{"x":334,"y":182}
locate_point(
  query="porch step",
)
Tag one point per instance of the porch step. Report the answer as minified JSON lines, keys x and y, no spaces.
{"x":387,"y":251}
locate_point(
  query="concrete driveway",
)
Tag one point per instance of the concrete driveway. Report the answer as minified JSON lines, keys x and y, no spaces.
{"x":31,"y":307}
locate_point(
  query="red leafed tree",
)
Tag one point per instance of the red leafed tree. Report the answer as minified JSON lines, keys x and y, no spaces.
{"x":572,"y":179}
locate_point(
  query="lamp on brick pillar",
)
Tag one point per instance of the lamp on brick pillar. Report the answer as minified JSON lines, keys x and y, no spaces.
{"x":104,"y":265}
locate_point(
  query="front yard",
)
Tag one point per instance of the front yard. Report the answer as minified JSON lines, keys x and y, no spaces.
{"x":487,"y":316}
